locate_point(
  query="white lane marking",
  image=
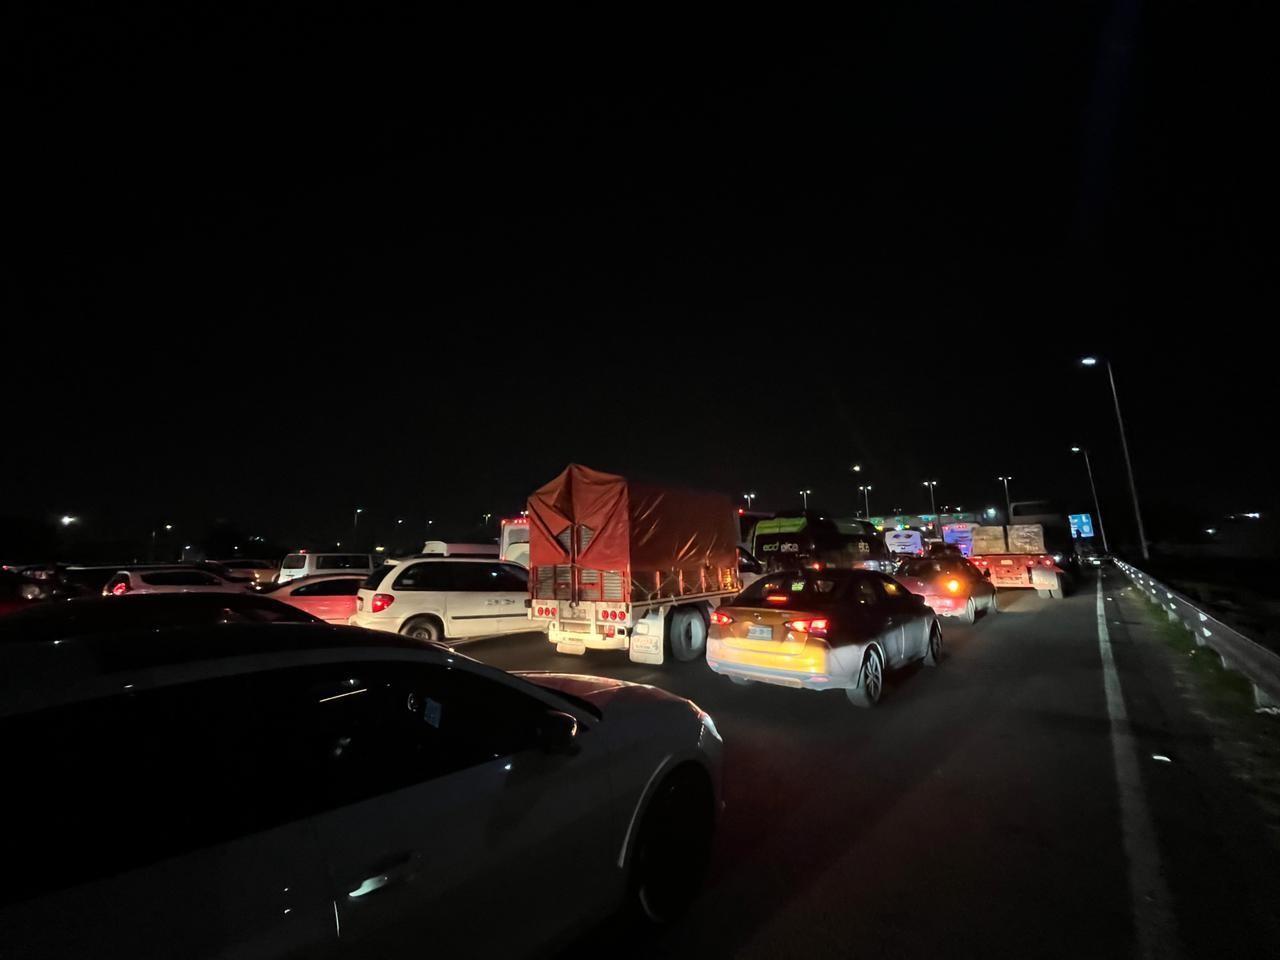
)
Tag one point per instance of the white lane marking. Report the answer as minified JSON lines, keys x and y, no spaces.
{"x":1152,"y":916}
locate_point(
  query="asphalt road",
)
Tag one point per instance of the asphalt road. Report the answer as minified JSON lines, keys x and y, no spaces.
{"x":977,"y":811}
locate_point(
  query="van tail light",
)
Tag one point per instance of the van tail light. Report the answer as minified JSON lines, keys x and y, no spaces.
{"x":381,"y":601}
{"x":720,"y":619}
{"x":817,"y":627}
{"x":120,"y":589}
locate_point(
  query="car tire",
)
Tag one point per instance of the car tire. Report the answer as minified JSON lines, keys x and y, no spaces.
{"x":870,"y":681}
{"x":686,"y":634}
{"x":424,"y":629}
{"x":1058,"y":592}
{"x":673,"y":847}
{"x":933,"y":652}
{"x":971,"y":611}
{"x":993,"y":606}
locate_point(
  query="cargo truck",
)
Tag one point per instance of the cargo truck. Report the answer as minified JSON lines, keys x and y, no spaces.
{"x":1016,"y":557}
{"x":619,"y":565}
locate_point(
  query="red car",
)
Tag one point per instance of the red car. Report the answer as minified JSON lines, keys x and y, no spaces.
{"x":951,"y":585}
{"x":329,"y":596}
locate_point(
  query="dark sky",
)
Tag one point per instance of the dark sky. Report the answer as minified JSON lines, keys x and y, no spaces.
{"x":268,"y":269}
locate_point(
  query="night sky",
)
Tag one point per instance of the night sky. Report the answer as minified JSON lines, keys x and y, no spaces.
{"x":269,"y":269}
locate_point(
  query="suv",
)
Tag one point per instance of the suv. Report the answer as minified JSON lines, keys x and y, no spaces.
{"x":438,"y":599}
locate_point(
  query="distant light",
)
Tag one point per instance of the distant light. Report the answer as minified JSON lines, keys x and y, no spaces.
{"x":168,"y":526}
{"x":359,"y":509}
{"x":1161,"y":757}
{"x":1075,"y":449}
{"x":1089,"y":361}
{"x":69,"y":520}
{"x":339,"y":543}
{"x":187,"y":547}
{"x":857,"y":468}
{"x":379,"y":549}
{"x":1211,"y":530}
{"x":1254,"y":516}
{"x":991,"y":511}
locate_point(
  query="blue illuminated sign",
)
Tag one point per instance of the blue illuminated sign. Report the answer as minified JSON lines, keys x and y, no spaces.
{"x":1081,"y":525}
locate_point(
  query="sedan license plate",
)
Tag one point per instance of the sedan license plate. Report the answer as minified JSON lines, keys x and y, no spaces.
{"x":759,"y":633}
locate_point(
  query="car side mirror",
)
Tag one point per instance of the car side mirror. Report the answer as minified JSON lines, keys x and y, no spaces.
{"x":558,"y":732}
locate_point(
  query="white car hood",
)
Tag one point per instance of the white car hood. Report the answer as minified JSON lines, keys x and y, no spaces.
{"x":599,"y":691}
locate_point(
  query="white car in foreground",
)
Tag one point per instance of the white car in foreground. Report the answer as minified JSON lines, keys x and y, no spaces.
{"x":302,"y":790}
{"x":440,"y":600}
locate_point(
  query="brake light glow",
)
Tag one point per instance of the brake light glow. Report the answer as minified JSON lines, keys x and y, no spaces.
{"x":818,"y":626}
{"x":953,"y":585}
{"x":720,"y":619}
{"x":381,"y":601}
{"x":776,"y":598}
{"x":120,"y":589}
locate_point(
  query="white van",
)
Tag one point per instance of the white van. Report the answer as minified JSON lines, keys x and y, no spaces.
{"x":304,"y":564}
{"x":909,"y":542}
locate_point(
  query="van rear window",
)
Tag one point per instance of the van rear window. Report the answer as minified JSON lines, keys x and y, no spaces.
{"x":294,"y":561}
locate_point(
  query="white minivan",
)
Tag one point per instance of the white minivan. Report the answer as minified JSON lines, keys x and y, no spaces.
{"x":439,"y":599}
{"x":304,"y":564}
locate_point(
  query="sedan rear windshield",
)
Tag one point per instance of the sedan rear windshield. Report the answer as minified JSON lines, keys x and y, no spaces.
{"x":792,"y":590}
{"x":929,"y":568}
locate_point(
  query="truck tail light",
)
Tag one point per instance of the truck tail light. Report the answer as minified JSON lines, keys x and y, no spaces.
{"x":720,"y":619}
{"x":381,"y":601}
{"x":120,"y":589}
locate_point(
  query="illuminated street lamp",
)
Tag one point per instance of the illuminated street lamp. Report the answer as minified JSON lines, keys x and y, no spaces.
{"x":856,"y":468}
{"x":1096,"y":509}
{"x":933,"y":503}
{"x":355,"y":523}
{"x":1008,"y":504}
{"x":1124,"y":445}
{"x":805,"y":494}
{"x":748,"y":497}
{"x":865,"y":490}
{"x":68,"y":520}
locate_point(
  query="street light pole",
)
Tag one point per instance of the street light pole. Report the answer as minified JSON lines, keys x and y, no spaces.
{"x":866,"y":496}
{"x":748,"y":497}
{"x":933,"y":503}
{"x":805,"y":495}
{"x":1008,"y":504}
{"x":1128,"y":461}
{"x":1096,"y":507}
{"x":355,"y":526}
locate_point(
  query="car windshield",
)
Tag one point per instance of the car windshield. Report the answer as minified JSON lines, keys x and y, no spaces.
{"x":930,"y":568}
{"x":792,"y":589}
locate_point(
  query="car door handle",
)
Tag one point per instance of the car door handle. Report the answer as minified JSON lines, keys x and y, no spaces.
{"x":399,"y":870}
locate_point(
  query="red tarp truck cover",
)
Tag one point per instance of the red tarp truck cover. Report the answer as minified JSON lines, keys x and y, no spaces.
{"x":598,"y":536}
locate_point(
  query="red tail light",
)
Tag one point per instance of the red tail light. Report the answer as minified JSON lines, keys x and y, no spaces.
{"x":720,"y":619}
{"x":953,"y":585}
{"x":817,"y":627}
{"x":776,"y":598}
{"x":381,"y":601}
{"x":121,"y":588}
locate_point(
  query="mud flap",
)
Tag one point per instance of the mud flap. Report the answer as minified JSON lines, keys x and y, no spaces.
{"x":648,"y":638}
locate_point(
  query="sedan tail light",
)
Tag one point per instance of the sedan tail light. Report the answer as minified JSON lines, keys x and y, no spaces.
{"x":720,"y":618}
{"x":381,"y":601}
{"x":817,"y":627}
{"x":953,"y":585}
{"x":120,"y":589}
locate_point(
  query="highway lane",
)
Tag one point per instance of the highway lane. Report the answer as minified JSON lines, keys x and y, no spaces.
{"x":974,"y":812}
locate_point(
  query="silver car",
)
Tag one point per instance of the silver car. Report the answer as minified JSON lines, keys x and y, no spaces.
{"x":273,"y":790}
{"x":823,"y":629}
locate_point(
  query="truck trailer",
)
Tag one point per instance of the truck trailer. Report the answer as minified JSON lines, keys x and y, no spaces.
{"x":1016,"y":557}
{"x":620,"y":565}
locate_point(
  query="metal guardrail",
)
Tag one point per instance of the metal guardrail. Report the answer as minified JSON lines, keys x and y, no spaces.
{"x":1237,"y":652}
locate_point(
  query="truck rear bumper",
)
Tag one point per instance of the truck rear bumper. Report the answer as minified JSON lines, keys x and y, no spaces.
{"x":579,"y":641}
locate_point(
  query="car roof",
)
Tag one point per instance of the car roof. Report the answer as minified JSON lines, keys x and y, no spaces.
{"x":38,"y":675}
{"x":59,"y":619}
{"x":466,"y":558}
